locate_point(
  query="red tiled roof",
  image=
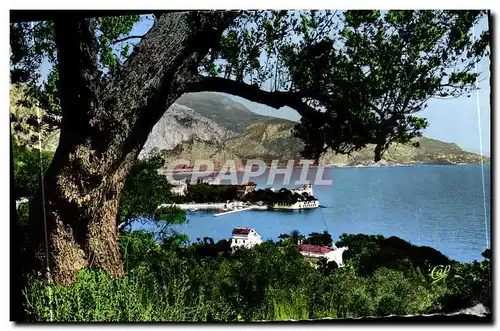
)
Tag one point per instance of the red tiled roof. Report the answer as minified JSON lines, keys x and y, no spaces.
{"x":314,"y":249}
{"x":241,"y":230}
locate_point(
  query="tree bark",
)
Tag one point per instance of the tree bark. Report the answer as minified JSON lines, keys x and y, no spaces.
{"x":73,"y":215}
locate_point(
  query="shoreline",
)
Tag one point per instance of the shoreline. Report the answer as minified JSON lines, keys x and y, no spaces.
{"x":332,"y":165}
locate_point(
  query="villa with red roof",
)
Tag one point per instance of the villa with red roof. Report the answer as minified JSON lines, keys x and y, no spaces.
{"x":313,"y":253}
{"x":245,"y":237}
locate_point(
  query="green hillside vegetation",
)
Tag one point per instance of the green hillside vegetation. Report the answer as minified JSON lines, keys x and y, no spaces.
{"x":267,"y":139}
{"x":272,"y":139}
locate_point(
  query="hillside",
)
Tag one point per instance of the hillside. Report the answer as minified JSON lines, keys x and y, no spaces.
{"x":197,"y":149}
{"x":220,"y":109}
{"x":272,"y":139}
{"x":430,"y":151}
{"x":268,"y":139}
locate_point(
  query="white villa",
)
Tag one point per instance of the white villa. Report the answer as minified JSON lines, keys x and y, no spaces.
{"x":313,"y":253}
{"x":245,"y":237}
{"x":304,"y":189}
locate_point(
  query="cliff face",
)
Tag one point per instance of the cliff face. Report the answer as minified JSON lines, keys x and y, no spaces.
{"x":179,"y":124}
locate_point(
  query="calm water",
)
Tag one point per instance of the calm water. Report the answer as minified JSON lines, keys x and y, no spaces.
{"x":437,"y":206}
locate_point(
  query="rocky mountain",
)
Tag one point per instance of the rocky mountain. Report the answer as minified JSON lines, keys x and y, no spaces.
{"x":220,"y":109}
{"x":271,"y":139}
{"x":267,"y":139}
{"x":179,"y":124}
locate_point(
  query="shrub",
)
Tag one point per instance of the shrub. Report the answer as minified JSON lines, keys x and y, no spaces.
{"x":272,"y":281}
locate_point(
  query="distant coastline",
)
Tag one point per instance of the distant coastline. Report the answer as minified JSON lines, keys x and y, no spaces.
{"x":381,"y":164}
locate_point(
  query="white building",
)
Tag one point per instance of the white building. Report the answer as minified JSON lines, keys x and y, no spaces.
{"x":245,"y":237}
{"x":179,"y":188}
{"x":298,"y":205}
{"x":314,"y":253}
{"x":305,"y":191}
{"x":213,"y":181}
{"x":307,"y":188}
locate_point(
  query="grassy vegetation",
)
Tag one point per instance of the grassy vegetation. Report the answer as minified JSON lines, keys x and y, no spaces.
{"x":203,"y":281}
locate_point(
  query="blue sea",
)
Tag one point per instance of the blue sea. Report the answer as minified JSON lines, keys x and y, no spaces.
{"x":441,"y":206}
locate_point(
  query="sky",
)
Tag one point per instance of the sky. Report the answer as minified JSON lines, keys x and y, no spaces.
{"x":452,"y":120}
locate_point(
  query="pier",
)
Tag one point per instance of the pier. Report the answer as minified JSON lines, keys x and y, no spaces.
{"x":236,"y":210}
{"x":197,"y":206}
{"x":225,"y":208}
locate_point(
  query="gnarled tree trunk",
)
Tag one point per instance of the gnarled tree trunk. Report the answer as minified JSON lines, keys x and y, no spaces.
{"x":104,"y":127}
{"x":379,"y":150}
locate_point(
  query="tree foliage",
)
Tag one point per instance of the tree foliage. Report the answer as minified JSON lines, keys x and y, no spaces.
{"x":370,"y":252}
{"x":316,"y":238}
{"x":381,"y":70}
{"x":29,"y":166}
{"x":363,"y":75}
{"x":283,"y":195}
{"x":204,"y":192}
{"x":145,"y":190}
{"x":355,"y":77}
{"x":33,"y":46}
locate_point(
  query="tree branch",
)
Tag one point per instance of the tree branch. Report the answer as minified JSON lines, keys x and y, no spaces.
{"x":155,"y":75}
{"x":276,"y":99}
{"x":127,"y":38}
{"x":52,"y":121}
